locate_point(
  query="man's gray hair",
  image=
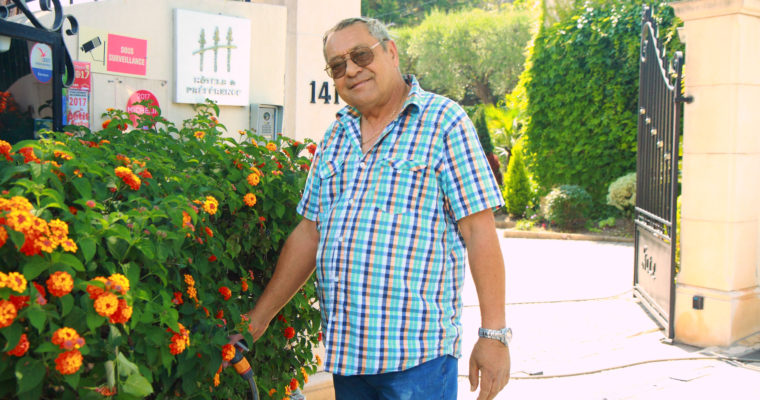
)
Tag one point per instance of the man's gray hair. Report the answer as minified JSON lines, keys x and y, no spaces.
{"x":376,"y":28}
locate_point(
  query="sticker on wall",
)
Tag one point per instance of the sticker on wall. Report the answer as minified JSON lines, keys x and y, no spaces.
{"x":41,"y":62}
{"x":113,"y":54}
{"x":78,"y":108}
{"x":82,"y":79}
{"x":212,"y":58}
{"x":139,"y":109}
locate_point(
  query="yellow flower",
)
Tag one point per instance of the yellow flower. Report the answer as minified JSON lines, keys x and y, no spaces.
{"x":118,"y":282}
{"x":250,"y":199}
{"x":3,"y":279}
{"x":20,"y":203}
{"x":271,"y":146}
{"x":106,"y":304}
{"x":67,"y":338}
{"x":8,"y":313}
{"x":58,"y":227}
{"x":16,"y":282}
{"x":46,"y":244}
{"x":319,"y":359}
{"x":211,"y":205}
{"x":253,"y":179}
{"x":19,"y":220}
{"x":199,"y":135}
{"x":189,"y":280}
{"x":69,"y":245}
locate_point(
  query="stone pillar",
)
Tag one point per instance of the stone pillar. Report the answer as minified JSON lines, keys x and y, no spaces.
{"x":721,"y":173}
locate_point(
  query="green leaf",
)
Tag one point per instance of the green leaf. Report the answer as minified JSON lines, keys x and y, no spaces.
{"x":67,"y":302}
{"x":87,"y":245}
{"x":83,"y":187}
{"x":147,"y":248}
{"x":72,"y":380}
{"x":34,"y":267}
{"x":46,"y":347}
{"x":125,"y":367}
{"x":68,"y":260}
{"x":29,"y":374}
{"x":117,"y":247}
{"x":37,"y":316}
{"x":94,"y":320}
{"x":12,"y":335}
{"x":137,"y":385}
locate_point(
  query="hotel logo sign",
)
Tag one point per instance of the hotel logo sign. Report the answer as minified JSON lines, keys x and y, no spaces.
{"x":212,"y":58}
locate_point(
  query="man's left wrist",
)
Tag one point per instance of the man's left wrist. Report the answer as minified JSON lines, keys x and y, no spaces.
{"x":503,"y":335}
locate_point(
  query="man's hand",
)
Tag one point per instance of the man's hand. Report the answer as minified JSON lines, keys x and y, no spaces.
{"x":489,"y":367}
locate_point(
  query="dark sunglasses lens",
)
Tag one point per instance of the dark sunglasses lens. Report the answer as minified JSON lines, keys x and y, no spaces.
{"x":337,"y":70}
{"x":362,"y":57}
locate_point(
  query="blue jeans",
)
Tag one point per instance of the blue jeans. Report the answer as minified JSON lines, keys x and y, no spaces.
{"x":435,"y":379}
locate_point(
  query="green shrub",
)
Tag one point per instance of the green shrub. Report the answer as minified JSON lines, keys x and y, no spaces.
{"x":567,"y":207}
{"x":622,"y":194}
{"x":517,"y":188}
{"x":163,"y":220}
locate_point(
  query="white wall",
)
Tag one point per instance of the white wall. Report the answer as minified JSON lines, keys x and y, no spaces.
{"x":153,"y":20}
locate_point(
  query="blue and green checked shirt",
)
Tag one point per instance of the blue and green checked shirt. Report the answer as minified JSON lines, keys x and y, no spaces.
{"x":390,"y":261}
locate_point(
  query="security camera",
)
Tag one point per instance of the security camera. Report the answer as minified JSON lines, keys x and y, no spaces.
{"x":89,"y":46}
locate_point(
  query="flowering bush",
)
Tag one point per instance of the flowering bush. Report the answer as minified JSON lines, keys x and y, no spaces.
{"x":128,"y":257}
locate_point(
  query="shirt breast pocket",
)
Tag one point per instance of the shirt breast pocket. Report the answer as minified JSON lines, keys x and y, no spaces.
{"x":401,"y":187}
{"x":330,"y":186}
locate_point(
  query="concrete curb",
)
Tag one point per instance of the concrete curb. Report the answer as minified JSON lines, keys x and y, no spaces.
{"x":514,"y":233}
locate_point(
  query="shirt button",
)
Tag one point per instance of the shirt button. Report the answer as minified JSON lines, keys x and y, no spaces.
{"x":362,"y":165}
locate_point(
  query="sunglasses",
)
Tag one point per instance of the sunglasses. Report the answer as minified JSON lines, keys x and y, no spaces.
{"x":361,"y":56}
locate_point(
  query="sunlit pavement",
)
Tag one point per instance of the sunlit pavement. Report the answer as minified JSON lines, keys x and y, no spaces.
{"x":555,"y":334}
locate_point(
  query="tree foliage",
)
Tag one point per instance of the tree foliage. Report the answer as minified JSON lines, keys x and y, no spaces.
{"x":412,"y":12}
{"x":477,"y":51}
{"x":582,"y":90}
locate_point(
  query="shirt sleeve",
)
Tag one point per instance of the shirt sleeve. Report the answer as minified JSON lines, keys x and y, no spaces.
{"x":308,"y":207}
{"x":466,"y":178}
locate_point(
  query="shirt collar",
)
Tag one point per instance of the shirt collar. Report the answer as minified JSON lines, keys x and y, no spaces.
{"x":414,"y":98}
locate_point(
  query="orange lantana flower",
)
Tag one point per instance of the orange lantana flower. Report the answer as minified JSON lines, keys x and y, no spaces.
{"x":60,"y":284}
{"x":68,"y":362}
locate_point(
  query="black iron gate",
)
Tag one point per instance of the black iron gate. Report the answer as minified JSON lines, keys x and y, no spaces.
{"x":657,"y":175}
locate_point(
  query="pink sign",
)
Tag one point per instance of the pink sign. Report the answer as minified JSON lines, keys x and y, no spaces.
{"x":138,"y":109}
{"x":126,"y":55}
{"x":81,"y":76}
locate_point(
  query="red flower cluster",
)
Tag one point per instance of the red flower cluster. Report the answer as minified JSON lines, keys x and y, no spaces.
{"x":5,"y":150}
{"x":180,"y":340}
{"x":21,"y":348}
{"x":129,"y":177}
{"x":289,"y":333}
{"x":107,"y":302}
{"x":228,"y":352}
{"x":225,"y":292}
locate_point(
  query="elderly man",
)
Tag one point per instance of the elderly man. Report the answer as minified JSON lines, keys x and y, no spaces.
{"x":399,"y":194}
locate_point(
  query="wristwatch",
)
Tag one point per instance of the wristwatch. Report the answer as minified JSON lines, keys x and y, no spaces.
{"x":502,"y":335}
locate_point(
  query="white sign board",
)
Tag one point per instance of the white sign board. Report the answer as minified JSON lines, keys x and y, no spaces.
{"x":212,"y":58}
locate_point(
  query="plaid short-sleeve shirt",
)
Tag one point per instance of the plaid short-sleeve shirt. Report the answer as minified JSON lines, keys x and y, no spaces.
{"x":390,"y":261}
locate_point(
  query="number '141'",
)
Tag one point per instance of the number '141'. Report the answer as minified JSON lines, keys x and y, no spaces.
{"x":324,"y":93}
